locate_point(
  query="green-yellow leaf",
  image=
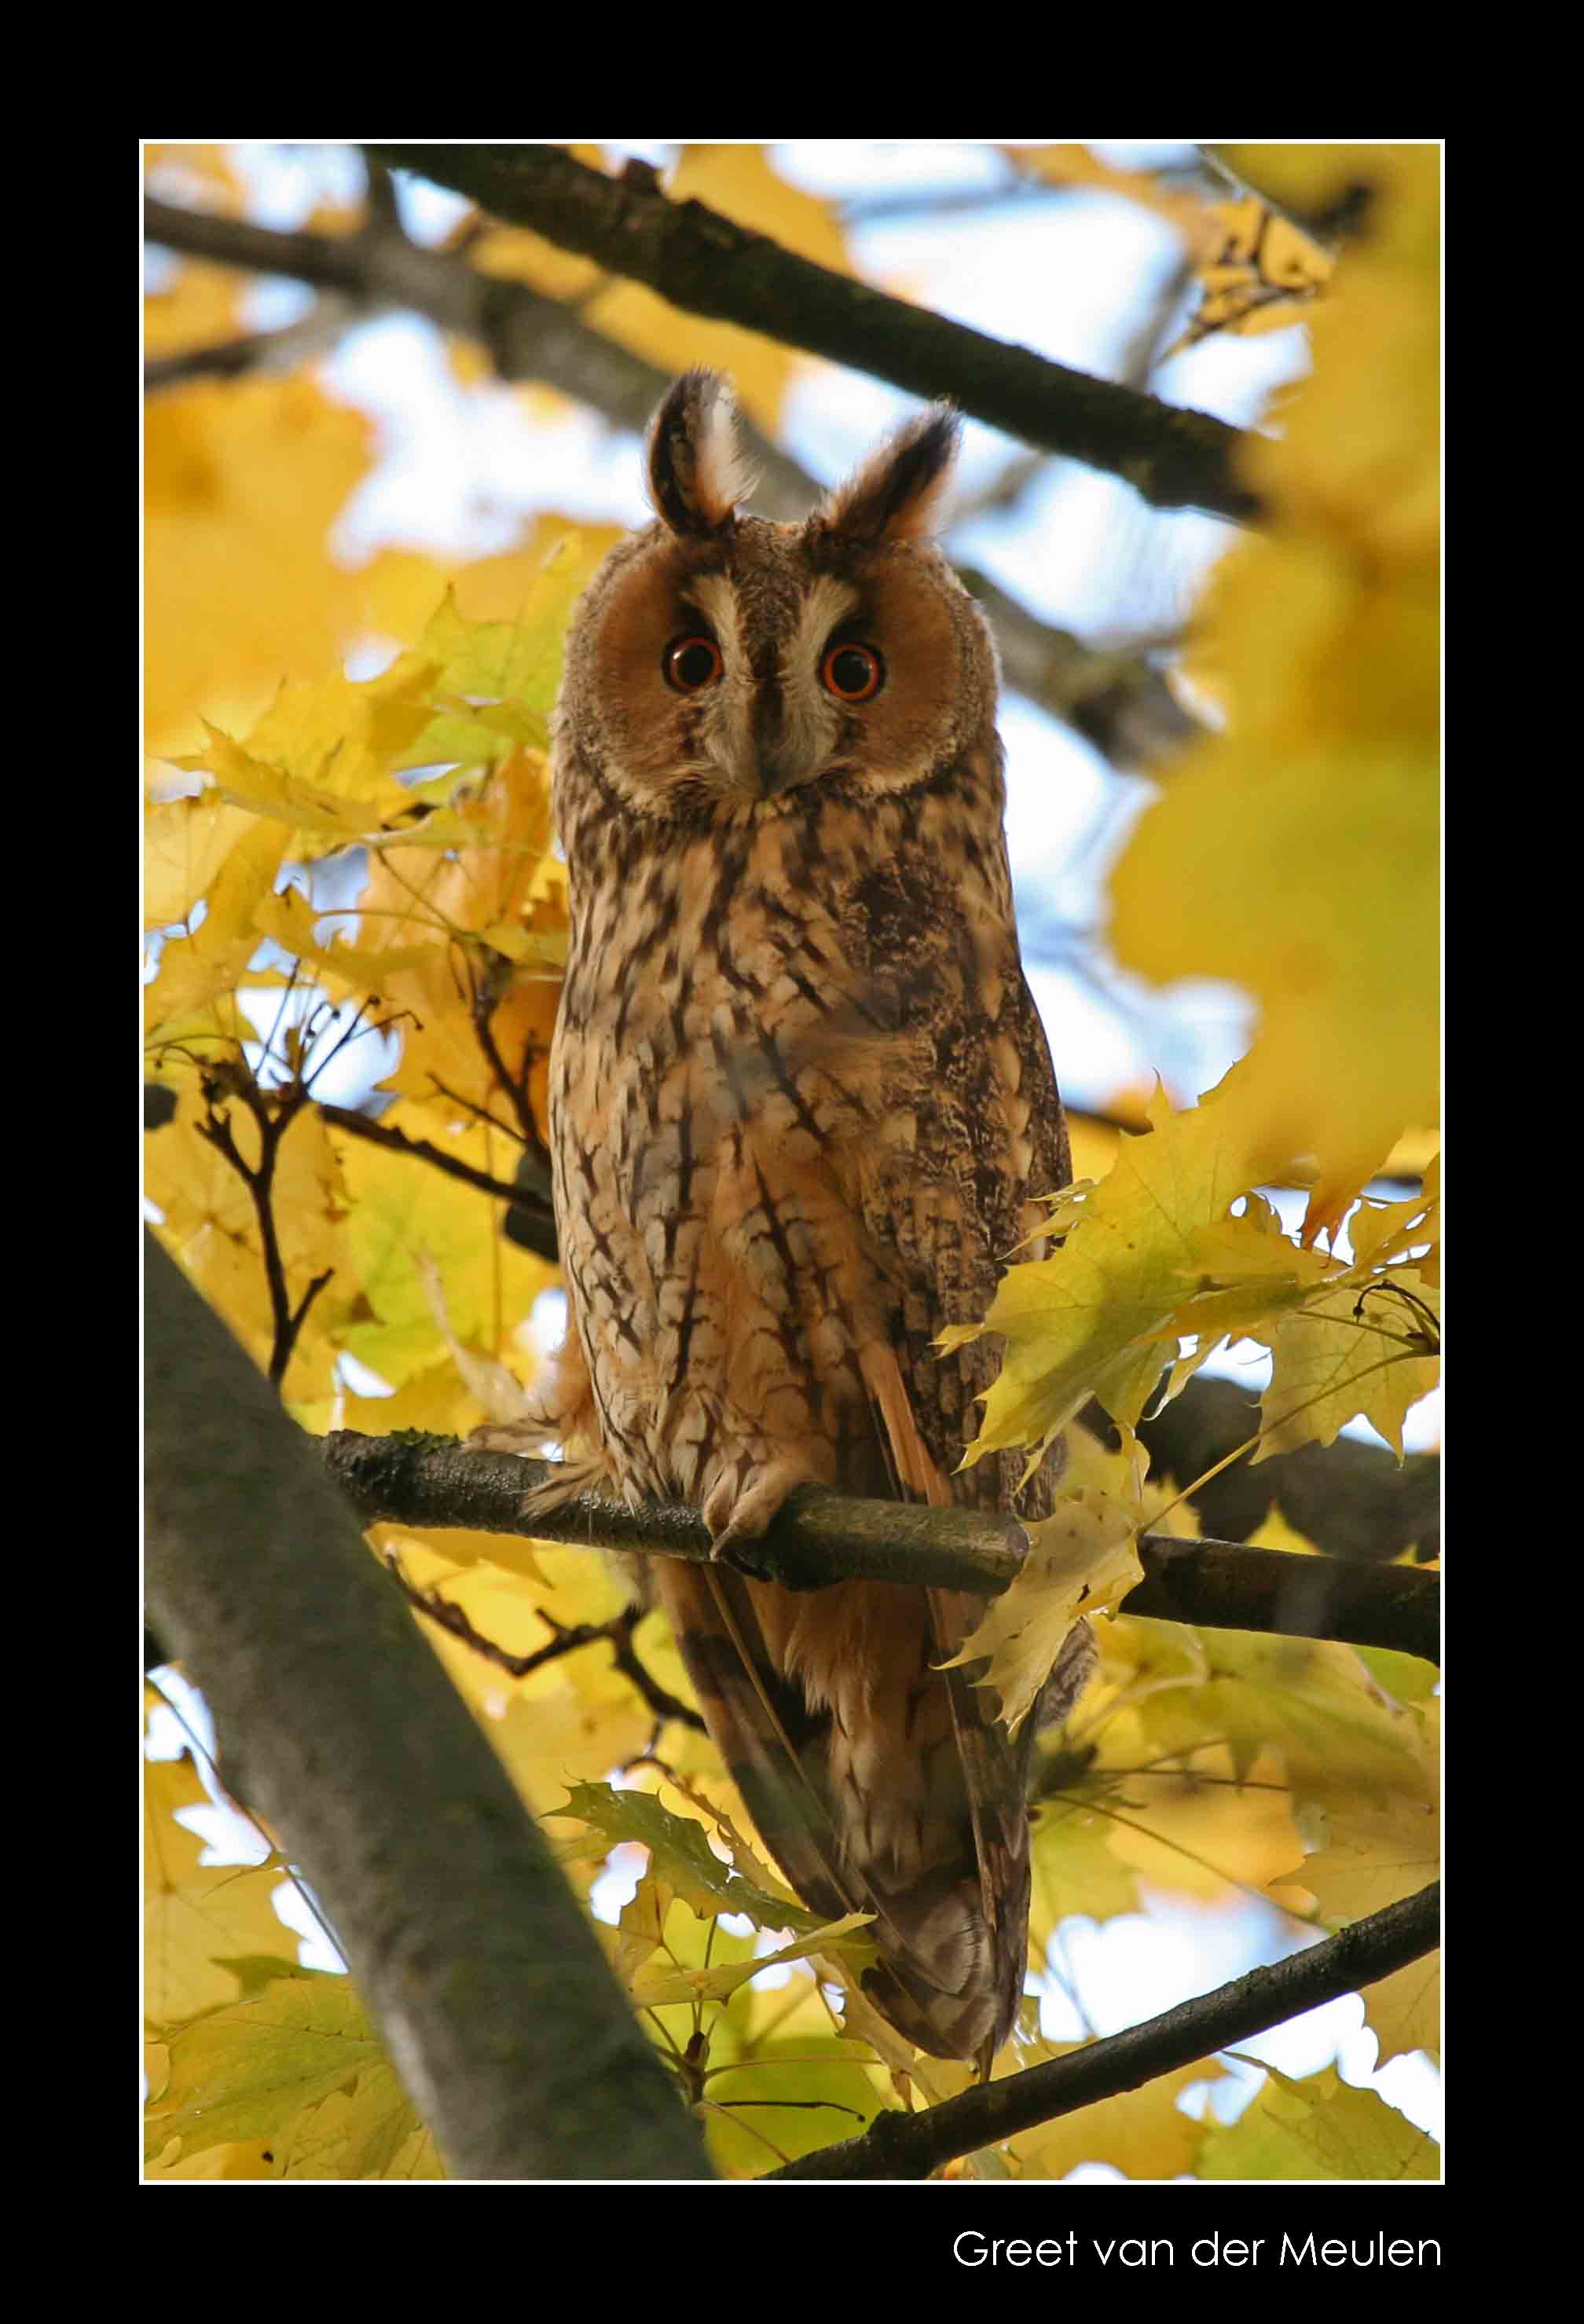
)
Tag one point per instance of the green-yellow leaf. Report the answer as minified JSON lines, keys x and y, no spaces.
{"x":642,"y":1927}
{"x":1079,"y":1559}
{"x":680,"y":1854}
{"x":656,"y":1988}
{"x":1141,"y":2131}
{"x":1317,"y":2129}
{"x":1099,"y":1318}
{"x":247,"y":2068}
{"x":1310,"y":1699}
{"x":1340,"y":1356}
{"x":195,"y":1914}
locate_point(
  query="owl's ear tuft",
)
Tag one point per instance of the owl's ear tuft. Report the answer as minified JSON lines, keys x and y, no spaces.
{"x":896,"y":494}
{"x":695,"y":467}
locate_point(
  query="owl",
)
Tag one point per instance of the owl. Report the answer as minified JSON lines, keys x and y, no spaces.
{"x":801,"y":1107}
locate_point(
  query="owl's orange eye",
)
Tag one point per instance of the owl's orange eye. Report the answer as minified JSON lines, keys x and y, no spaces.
{"x":852,"y":673}
{"x":690,"y":664}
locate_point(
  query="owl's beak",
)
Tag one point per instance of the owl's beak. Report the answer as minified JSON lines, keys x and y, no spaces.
{"x":784,"y":752}
{"x":767,"y":750}
{"x":783,"y":767}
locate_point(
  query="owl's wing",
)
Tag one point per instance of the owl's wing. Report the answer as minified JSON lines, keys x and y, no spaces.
{"x":839,"y":1725}
{"x":879,"y":1782}
{"x":994,"y":1769}
{"x":992,"y":1134}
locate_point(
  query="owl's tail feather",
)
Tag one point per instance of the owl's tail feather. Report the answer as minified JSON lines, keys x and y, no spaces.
{"x":849,"y":1751}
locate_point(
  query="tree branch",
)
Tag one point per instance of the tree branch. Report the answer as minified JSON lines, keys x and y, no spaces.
{"x":397,"y":1141}
{"x":259,"y":351}
{"x":821,"y":1537}
{"x":491,"y":1995}
{"x":899,"y":2146}
{"x":1353,"y":1500}
{"x":568,"y":1638}
{"x":708,"y":264}
{"x":1120,"y":702}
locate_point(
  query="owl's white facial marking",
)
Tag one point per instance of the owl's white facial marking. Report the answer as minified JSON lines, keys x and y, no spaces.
{"x":771,"y":725}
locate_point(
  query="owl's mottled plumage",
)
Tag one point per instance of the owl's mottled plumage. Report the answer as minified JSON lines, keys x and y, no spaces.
{"x":800,"y":1101}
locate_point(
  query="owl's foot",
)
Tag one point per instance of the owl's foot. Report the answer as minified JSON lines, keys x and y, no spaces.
{"x":739,"y":1505}
{"x":570,"y":1479}
{"x":527,"y":1437}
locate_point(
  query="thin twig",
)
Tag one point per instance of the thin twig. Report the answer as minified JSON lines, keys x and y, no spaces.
{"x":488,"y":991}
{"x":911,"y":2145}
{"x":617,"y":1634}
{"x":273,"y":1116}
{"x":261,"y":351}
{"x":378,"y":1133}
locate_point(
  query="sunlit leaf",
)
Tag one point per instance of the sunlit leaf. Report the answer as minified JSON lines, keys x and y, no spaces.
{"x":1318,"y":2128}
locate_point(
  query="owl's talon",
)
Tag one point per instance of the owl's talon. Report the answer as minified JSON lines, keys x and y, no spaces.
{"x":736,"y":1510}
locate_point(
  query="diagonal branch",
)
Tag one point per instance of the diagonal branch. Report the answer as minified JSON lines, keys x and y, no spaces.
{"x":258,"y":352}
{"x":397,"y":1141}
{"x":911,"y":2145}
{"x":821,"y":1537}
{"x":708,"y":264}
{"x":1120,"y":702}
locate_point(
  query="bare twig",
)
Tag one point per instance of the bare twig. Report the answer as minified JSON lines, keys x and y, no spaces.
{"x":260,"y":351}
{"x":617,"y":1633}
{"x":377,"y":1133}
{"x":488,"y":989}
{"x":273,"y":1111}
{"x":899,"y":2146}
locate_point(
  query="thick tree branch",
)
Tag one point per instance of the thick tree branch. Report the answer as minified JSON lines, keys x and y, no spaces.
{"x":821,"y":1537}
{"x":708,"y":264}
{"x":1352,"y":1500}
{"x":493,"y":1996}
{"x":1120,"y":702}
{"x":911,"y":2145}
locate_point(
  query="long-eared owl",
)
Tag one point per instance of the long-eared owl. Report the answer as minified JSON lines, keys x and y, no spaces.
{"x":800,"y":1105}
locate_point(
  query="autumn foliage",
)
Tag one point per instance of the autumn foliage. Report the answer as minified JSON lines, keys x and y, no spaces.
{"x":1292,"y":851}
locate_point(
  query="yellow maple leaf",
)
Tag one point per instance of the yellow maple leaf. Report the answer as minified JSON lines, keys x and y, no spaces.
{"x":1316,"y":2129}
{"x":1296,"y":853}
{"x":1101,"y":1316}
{"x":199,"y":307}
{"x":1081,"y":1558}
{"x":1342,"y":1356}
{"x":195,"y":1915}
{"x":244,"y":480}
